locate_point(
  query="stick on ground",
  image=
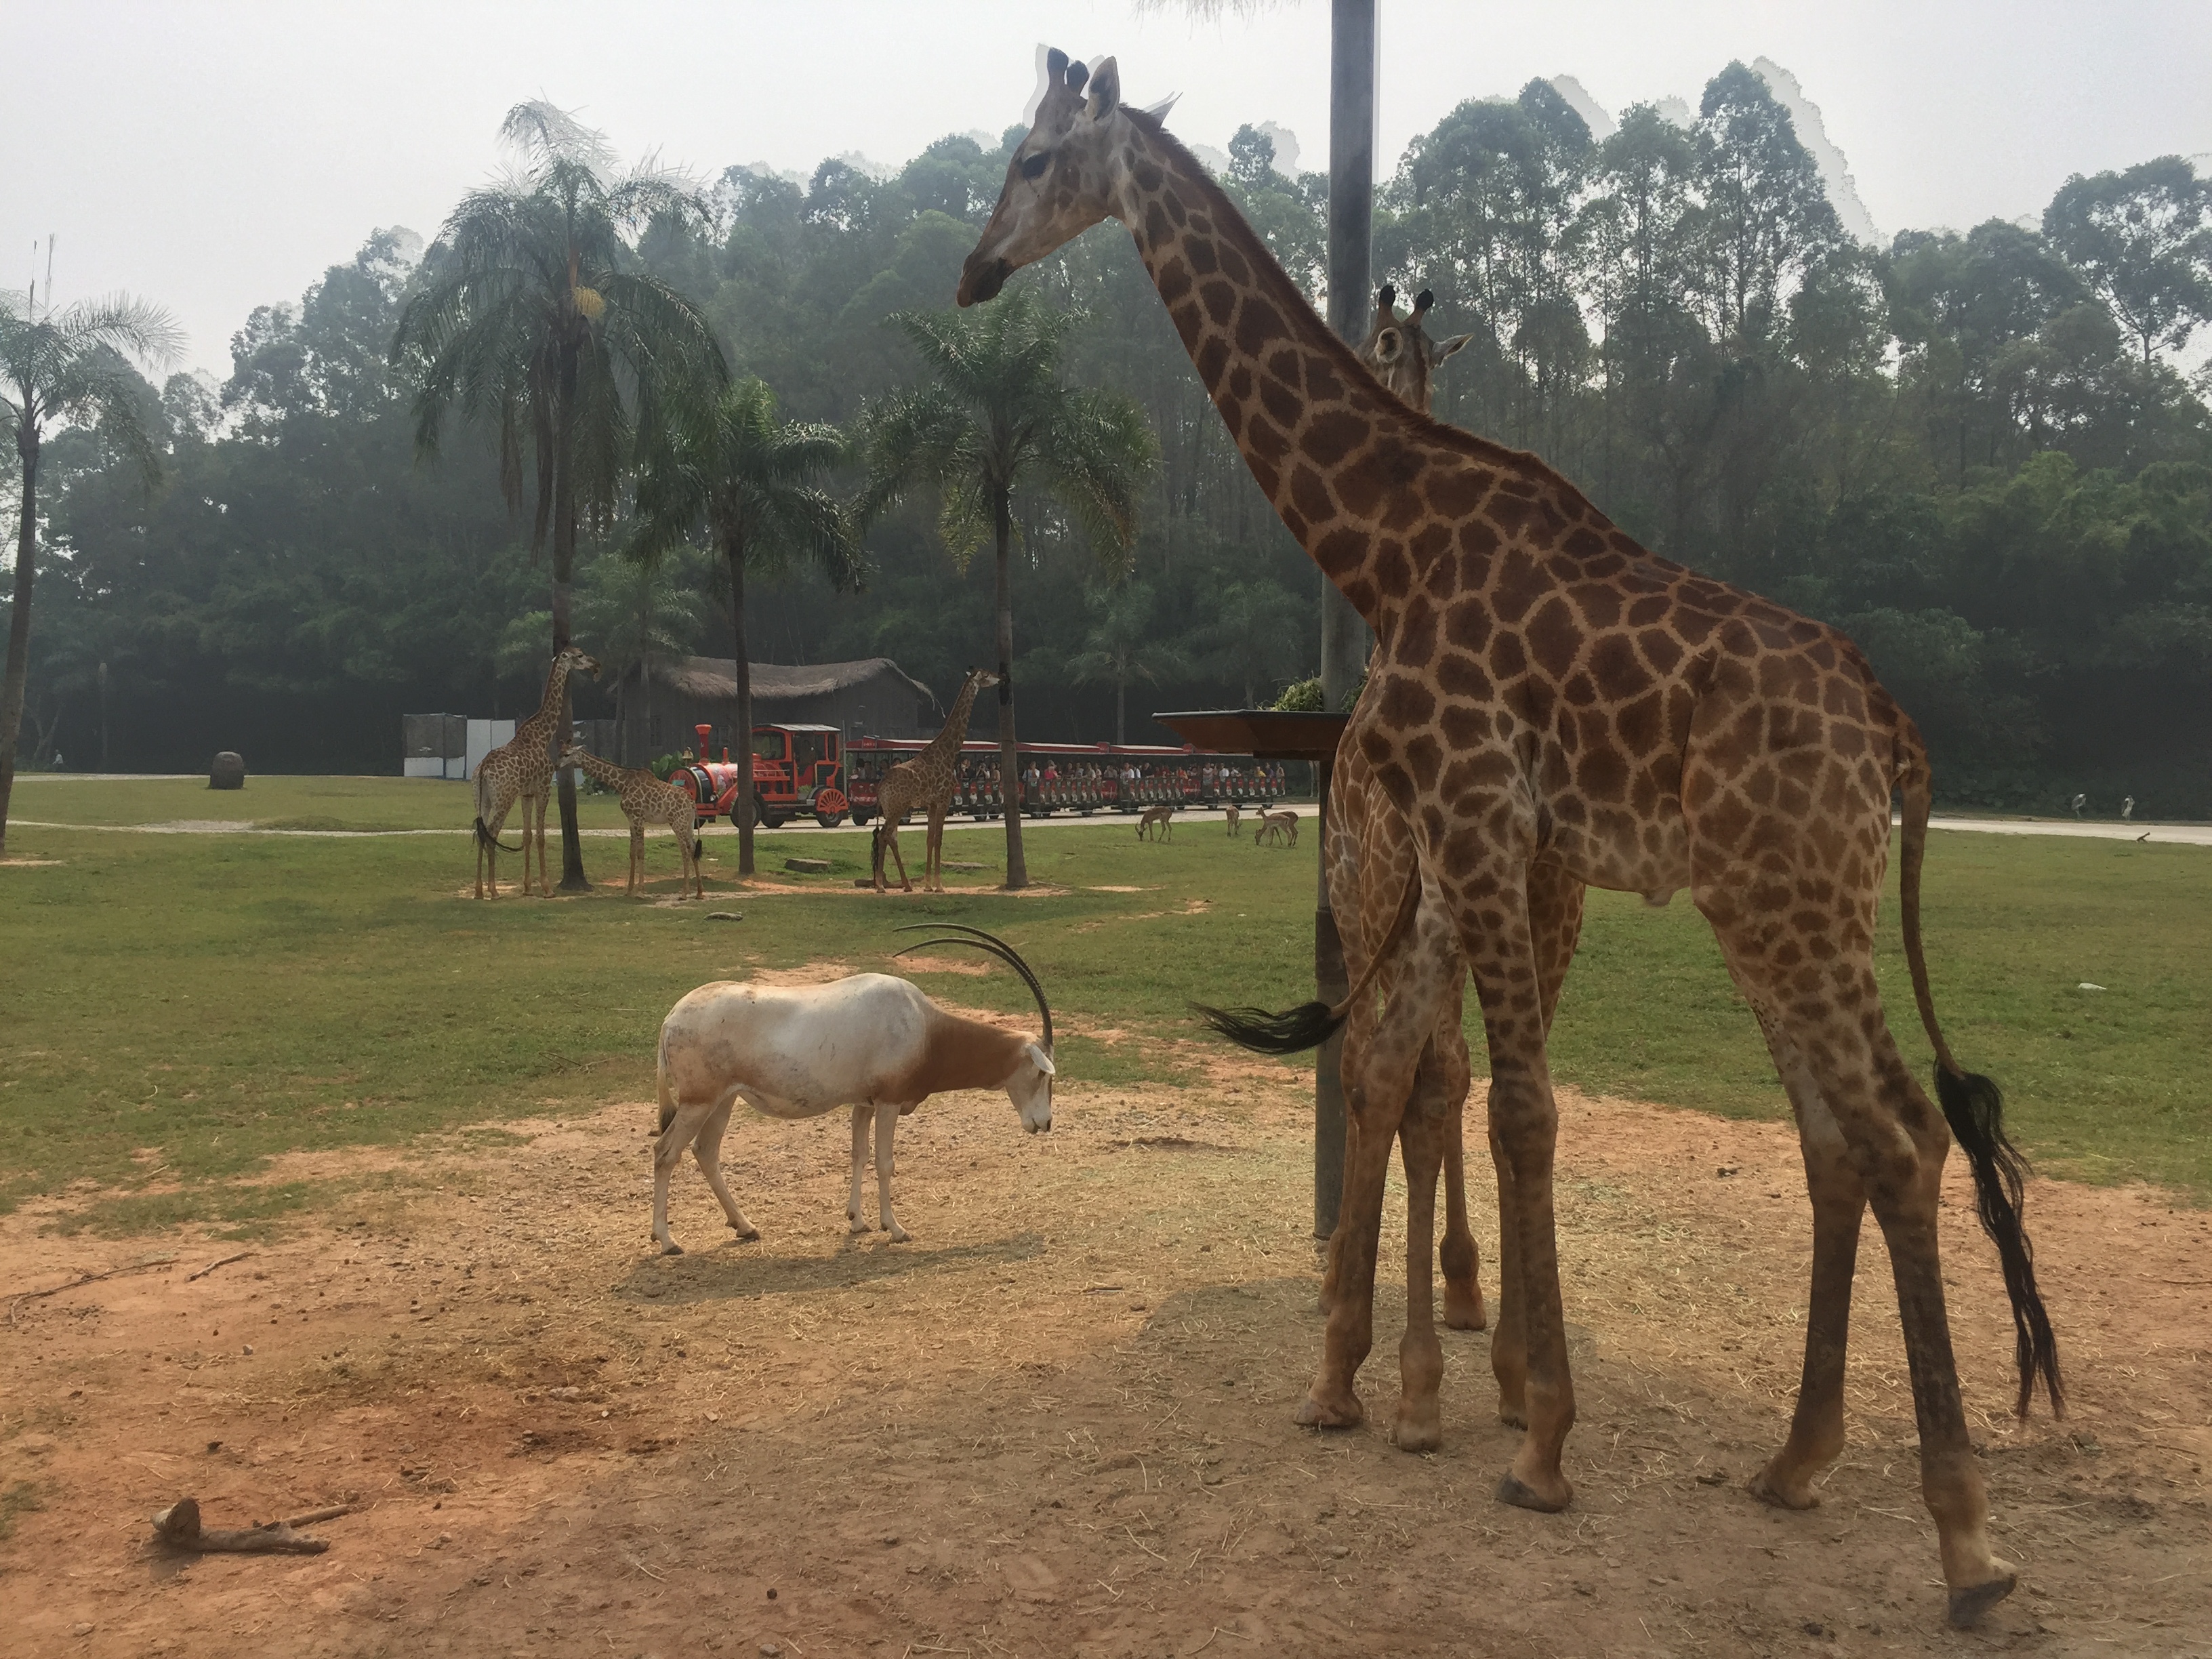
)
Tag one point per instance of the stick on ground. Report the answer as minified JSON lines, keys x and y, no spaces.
{"x":178,"y":1527}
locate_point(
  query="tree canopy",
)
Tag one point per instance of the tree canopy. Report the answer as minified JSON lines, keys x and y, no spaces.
{"x":1983,"y":451}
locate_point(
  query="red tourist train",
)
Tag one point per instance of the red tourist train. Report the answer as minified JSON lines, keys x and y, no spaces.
{"x":814,"y":769}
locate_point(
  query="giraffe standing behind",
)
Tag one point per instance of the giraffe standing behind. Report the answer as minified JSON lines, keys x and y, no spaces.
{"x":928,"y":783}
{"x":1548,"y":697}
{"x":646,"y":799}
{"x":522,"y":768}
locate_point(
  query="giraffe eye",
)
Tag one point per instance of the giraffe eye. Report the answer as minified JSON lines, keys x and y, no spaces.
{"x":1036,"y":164}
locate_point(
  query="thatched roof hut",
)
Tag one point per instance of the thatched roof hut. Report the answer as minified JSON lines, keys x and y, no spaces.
{"x":869,"y":697}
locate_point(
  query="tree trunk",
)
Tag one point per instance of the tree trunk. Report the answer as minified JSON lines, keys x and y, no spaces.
{"x":564,"y":569}
{"x":744,"y":811}
{"x":19,"y":621}
{"x":1010,"y":759}
{"x":1121,"y":712}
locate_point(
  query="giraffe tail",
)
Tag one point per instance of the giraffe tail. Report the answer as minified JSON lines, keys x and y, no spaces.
{"x":1310,"y":1023}
{"x":1974,"y":1108}
{"x":484,"y":836}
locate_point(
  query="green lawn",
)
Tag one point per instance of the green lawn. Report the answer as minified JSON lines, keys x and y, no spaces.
{"x":175,"y":1008}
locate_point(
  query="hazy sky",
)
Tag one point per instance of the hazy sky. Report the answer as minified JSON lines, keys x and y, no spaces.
{"x":218,"y":157}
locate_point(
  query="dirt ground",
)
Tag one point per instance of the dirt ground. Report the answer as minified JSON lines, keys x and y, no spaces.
{"x":1058,"y":1421}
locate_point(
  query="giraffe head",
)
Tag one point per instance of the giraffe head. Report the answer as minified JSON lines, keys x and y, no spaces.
{"x":574,"y":657}
{"x":572,"y":755}
{"x":1060,"y":182}
{"x":1400,"y":351}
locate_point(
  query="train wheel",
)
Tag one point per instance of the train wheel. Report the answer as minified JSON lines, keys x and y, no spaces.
{"x":828,"y":820}
{"x":861,"y":817}
{"x":776,"y":820}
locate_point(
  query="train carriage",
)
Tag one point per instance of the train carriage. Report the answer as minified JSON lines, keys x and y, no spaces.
{"x":816,"y":770}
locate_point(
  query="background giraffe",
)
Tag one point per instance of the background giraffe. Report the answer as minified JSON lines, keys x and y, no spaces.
{"x":522,"y":768}
{"x":1547,"y":694}
{"x":927,"y":782}
{"x":645,"y":800}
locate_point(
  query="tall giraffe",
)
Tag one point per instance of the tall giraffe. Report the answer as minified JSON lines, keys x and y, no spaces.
{"x":522,"y":768}
{"x":928,"y":781}
{"x":1548,"y":698}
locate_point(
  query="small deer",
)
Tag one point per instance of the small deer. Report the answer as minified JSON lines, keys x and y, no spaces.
{"x":1235,"y":819}
{"x":1277,"y":826}
{"x":1158,"y":818}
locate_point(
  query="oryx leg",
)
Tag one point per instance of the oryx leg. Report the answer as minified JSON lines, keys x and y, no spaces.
{"x":683,"y":1128}
{"x":862,"y":1116}
{"x":706,"y":1147}
{"x":887,"y":1118}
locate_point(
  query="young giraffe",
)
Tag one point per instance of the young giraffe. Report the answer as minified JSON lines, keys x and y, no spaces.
{"x":646,"y":799}
{"x":927,"y":782}
{"x":522,"y":768}
{"x":1546,"y":695}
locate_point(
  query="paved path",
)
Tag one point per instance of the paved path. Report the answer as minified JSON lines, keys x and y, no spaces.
{"x":2184,"y":835}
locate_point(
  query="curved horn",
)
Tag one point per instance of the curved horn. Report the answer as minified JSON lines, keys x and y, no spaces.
{"x":997,"y":947}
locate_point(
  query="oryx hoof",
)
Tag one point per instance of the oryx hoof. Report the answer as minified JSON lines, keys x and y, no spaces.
{"x":671,"y":1247}
{"x":746,"y":1234}
{"x":1770,"y":1488}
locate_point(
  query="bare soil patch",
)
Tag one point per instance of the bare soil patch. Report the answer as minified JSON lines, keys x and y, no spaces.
{"x":1058,"y":1422}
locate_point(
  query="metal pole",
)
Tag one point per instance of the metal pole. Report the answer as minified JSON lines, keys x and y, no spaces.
{"x":1344,"y":636}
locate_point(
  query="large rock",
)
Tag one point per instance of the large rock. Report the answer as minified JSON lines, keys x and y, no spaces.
{"x":229,"y":772}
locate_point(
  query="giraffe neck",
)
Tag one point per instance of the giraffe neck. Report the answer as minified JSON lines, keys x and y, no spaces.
{"x":548,"y":706}
{"x":599,"y":767}
{"x":1334,"y":451}
{"x":945,"y":746}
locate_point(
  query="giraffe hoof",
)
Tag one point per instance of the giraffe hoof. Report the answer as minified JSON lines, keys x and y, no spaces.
{"x":1343,"y":1414}
{"x":1769,"y":1488}
{"x":1463,"y":1310}
{"x":1515,"y":1490}
{"x":1970,"y":1603}
{"x":1418,"y":1429}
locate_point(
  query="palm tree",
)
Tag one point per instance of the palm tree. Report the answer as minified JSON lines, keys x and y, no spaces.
{"x":539,"y":320}
{"x":994,"y":418}
{"x":754,"y":483}
{"x":66,"y":366}
{"x":1122,"y":646}
{"x":636,"y":609}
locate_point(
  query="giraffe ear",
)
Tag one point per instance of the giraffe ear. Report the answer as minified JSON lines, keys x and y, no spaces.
{"x":1105,"y":89}
{"x":1386,"y":346}
{"x":1445,"y":348}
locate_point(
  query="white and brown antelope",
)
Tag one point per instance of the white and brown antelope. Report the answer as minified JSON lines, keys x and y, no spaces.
{"x":871,"y":1041}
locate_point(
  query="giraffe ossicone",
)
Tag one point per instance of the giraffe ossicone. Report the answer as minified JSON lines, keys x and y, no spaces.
{"x":1549,"y":700}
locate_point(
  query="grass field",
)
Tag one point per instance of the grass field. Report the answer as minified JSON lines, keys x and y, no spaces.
{"x":174,"y":1010}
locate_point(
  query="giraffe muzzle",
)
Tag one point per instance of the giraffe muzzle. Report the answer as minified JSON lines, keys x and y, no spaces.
{"x":980,"y":279}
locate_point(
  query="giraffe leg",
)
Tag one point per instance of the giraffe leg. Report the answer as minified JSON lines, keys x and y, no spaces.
{"x":545,"y":865}
{"x":1816,"y":1431}
{"x":891,"y":835}
{"x":862,"y":1117}
{"x":1445,"y":1071}
{"x":708,"y":1149}
{"x":667,"y":1152}
{"x":1500,"y":950}
{"x":1421,"y":1134}
{"x":932,"y":875}
{"x":1555,"y":921}
{"x":636,"y":860}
